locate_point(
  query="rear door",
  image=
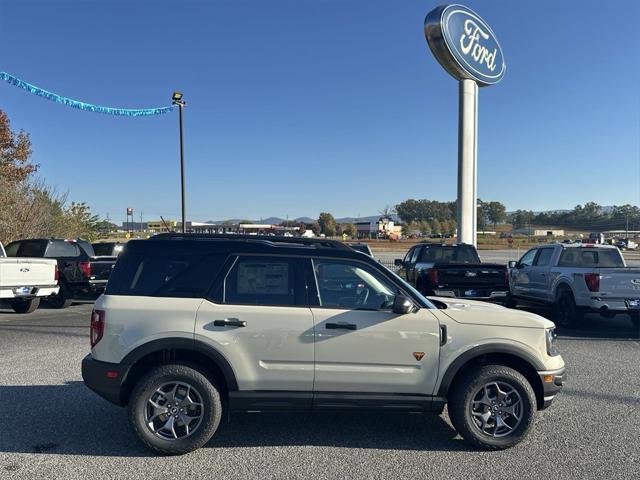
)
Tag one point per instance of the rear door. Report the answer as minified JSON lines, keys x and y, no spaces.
{"x":521,"y":275}
{"x":360,"y":344}
{"x":259,"y":320}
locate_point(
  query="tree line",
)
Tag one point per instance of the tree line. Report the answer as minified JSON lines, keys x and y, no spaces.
{"x":590,"y":216}
{"x":29,"y":208}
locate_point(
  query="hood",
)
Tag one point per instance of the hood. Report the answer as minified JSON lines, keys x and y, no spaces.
{"x":483,"y":313}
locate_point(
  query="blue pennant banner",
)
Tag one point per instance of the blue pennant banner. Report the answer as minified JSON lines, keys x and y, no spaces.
{"x":130,"y":112}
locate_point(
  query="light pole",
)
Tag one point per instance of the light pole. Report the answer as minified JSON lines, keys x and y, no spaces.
{"x":176,"y":99}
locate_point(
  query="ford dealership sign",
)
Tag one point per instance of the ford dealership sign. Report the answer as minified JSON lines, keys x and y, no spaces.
{"x":464,"y":44}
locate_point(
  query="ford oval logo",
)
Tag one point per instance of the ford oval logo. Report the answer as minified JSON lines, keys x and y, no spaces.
{"x":464,"y":44}
{"x":24,"y":270}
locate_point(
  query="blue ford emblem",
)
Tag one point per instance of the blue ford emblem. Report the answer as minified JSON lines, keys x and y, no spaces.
{"x":464,"y":44}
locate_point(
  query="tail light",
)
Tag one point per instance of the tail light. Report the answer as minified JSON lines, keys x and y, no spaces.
{"x":96,"y":330}
{"x":56,"y":274}
{"x":593,"y":281}
{"x":432,"y":275}
{"x":86,"y":269}
{"x":506,"y":277}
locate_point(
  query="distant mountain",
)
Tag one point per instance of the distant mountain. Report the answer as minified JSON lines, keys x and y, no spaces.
{"x":278,"y":220}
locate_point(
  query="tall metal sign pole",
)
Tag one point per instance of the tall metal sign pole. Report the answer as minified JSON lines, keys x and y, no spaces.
{"x":467,"y":49}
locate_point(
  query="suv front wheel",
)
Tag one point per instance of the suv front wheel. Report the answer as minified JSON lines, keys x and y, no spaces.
{"x":175,"y":409}
{"x":492,"y":407}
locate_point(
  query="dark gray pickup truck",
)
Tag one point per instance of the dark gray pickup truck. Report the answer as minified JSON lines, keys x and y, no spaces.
{"x":453,"y":271}
{"x":82,"y":275}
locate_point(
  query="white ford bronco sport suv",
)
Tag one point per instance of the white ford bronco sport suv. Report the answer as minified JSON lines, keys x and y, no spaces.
{"x":192,"y":327}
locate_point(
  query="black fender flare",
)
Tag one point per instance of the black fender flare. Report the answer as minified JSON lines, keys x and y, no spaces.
{"x":175,"y":343}
{"x":491,"y":348}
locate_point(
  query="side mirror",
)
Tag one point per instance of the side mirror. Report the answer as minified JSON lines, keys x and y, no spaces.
{"x":512,"y":264}
{"x":402,"y":305}
{"x":398,"y":262}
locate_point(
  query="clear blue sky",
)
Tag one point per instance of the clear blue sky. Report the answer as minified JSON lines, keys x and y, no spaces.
{"x":299,"y":106}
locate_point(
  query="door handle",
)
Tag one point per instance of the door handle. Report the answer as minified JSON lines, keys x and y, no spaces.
{"x":341,"y":326}
{"x":229,"y":322}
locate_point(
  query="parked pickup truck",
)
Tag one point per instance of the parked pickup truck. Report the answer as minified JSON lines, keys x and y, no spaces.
{"x":453,"y":271}
{"x":82,"y":274}
{"x":24,"y":281}
{"x":575,"y":279}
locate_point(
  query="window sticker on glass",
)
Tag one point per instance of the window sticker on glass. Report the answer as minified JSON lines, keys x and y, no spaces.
{"x":263,"y":278}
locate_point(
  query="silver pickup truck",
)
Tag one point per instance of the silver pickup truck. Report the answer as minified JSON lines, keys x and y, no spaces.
{"x":575,"y":279}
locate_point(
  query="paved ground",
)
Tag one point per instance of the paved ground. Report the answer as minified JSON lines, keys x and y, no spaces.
{"x":53,"y":427}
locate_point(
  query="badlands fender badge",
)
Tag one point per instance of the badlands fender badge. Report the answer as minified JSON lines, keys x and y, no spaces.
{"x":418,"y":355}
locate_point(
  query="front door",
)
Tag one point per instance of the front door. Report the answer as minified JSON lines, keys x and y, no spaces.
{"x":360,"y":344}
{"x":261,"y":324}
{"x":521,"y":275}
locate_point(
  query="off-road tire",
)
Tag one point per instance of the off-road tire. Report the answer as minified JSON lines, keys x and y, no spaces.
{"x":211,"y":408}
{"x":25,"y":306}
{"x":565,"y":312}
{"x":460,"y":400}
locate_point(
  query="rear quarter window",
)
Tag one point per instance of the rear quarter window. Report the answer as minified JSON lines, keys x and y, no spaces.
{"x":171,"y":274}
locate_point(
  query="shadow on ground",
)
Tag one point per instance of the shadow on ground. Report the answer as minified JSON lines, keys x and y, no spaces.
{"x":593,"y":326}
{"x":71,"y":420}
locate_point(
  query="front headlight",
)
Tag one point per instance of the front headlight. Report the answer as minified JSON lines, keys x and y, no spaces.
{"x":552,"y":343}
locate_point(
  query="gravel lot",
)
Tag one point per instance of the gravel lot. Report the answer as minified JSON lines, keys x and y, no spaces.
{"x":54,"y":427}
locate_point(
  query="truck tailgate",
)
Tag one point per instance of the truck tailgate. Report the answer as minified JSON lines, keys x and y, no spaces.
{"x":453,"y":275}
{"x":620,"y":282}
{"x":101,"y":267}
{"x":21,"y":272}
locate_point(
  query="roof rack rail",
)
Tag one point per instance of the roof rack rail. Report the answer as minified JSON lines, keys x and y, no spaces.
{"x":290,"y":241}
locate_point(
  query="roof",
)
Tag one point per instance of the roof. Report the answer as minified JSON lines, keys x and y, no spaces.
{"x":264,"y":240}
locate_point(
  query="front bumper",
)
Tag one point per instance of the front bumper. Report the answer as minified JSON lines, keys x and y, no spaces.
{"x":106,"y":379}
{"x":552,"y":382}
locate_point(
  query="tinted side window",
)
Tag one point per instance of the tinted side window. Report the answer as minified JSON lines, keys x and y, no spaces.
{"x":544,"y":257}
{"x":414,"y":254}
{"x":527,"y":258}
{"x":170,"y":274}
{"x":62,"y":249}
{"x":352,"y":286}
{"x":269,"y":281}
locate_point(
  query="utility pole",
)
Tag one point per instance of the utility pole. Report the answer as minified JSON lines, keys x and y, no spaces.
{"x":177,"y":100}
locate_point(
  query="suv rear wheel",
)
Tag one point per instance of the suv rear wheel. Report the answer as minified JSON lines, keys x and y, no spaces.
{"x":174,"y":409}
{"x":492,"y":407}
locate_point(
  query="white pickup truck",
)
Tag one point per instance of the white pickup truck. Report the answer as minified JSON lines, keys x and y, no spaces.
{"x":575,"y":279}
{"x":24,"y":281}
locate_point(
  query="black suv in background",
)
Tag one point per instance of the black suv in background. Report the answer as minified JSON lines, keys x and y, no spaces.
{"x":82,"y":274}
